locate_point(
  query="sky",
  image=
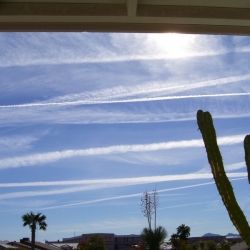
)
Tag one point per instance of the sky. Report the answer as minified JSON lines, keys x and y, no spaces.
{"x":90,"y":121}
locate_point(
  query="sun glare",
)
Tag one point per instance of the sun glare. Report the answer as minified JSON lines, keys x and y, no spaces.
{"x":173,"y":45}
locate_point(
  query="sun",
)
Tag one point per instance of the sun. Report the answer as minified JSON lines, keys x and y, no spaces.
{"x":173,"y":45}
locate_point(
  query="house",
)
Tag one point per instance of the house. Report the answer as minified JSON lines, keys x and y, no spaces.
{"x":239,"y":246}
{"x":112,"y":241}
{"x":7,"y":247}
{"x":25,"y":244}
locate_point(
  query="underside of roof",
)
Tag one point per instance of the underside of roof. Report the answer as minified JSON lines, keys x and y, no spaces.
{"x":179,"y":16}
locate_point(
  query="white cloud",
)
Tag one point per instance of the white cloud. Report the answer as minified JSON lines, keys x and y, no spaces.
{"x":235,"y":166}
{"x":117,"y":181}
{"x":120,"y":181}
{"x":44,"y":158}
{"x":101,"y":184}
{"x":149,"y":99}
{"x":185,"y":205}
{"x":164,"y":112}
{"x":16,"y":142}
{"x":156,"y":91}
{"x":114,"y":104}
{"x":31,"y":50}
{"x":138,"y":194}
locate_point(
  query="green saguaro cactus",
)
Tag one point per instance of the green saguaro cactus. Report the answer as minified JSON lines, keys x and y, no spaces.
{"x":205,"y":123}
{"x":247,"y":154}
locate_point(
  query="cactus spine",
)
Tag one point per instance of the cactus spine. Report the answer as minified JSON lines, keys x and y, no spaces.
{"x":205,"y":123}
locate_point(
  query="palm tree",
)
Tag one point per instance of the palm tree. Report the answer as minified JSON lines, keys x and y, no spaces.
{"x":183,"y":232}
{"x":179,"y":240}
{"x":152,"y":239}
{"x":32,"y":220}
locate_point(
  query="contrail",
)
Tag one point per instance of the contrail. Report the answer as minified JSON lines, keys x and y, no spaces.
{"x":99,"y":186}
{"x":96,"y":102}
{"x":104,"y":59}
{"x":134,"y":195}
{"x":121,"y":181}
{"x":42,"y":158}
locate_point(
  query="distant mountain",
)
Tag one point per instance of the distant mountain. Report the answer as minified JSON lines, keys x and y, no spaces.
{"x":230,"y":234}
{"x":211,"y":235}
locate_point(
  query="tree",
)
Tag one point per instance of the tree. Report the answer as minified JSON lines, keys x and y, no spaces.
{"x":96,"y":242}
{"x":179,"y":240}
{"x":83,"y":245}
{"x":152,"y":239}
{"x":201,"y":245}
{"x":32,"y":220}
{"x":175,"y":241}
{"x":224,"y":245}
{"x":183,"y":232}
{"x":211,"y":245}
{"x":194,"y":246}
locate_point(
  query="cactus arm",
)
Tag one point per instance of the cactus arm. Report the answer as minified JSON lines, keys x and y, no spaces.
{"x":247,"y":154}
{"x":205,"y":123}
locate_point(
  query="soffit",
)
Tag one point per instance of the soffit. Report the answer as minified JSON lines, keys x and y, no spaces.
{"x":182,"y":16}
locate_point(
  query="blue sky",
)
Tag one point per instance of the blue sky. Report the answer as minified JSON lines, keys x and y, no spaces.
{"x":90,"y":121}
